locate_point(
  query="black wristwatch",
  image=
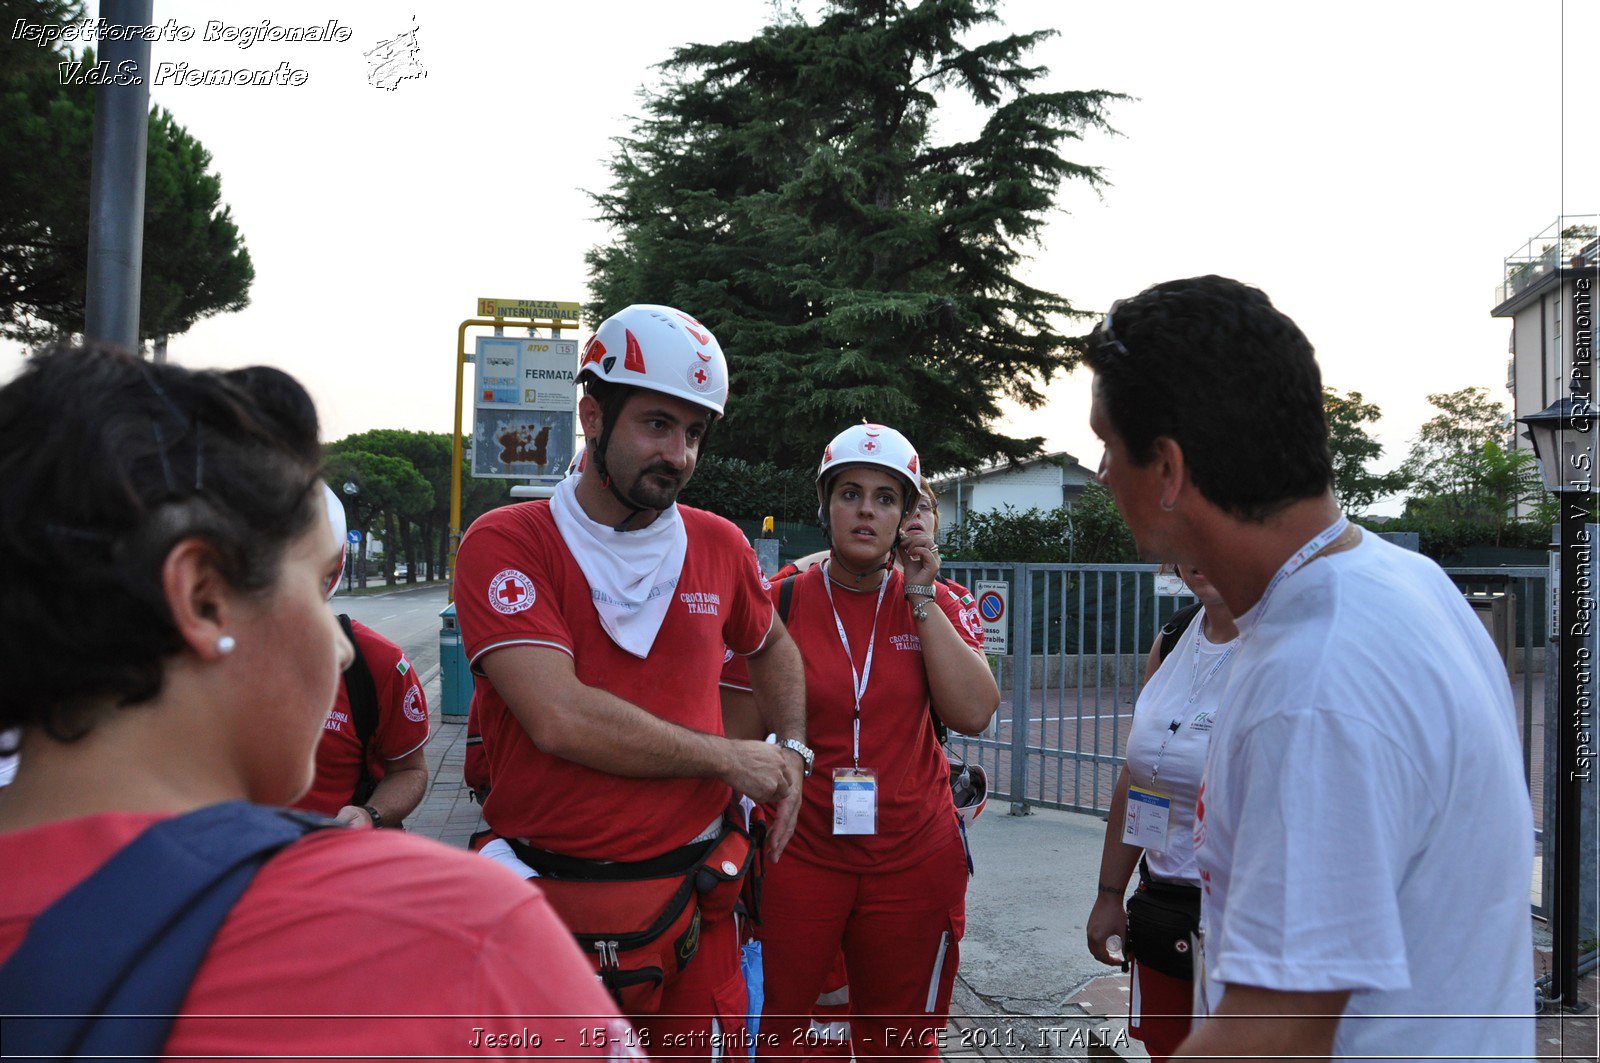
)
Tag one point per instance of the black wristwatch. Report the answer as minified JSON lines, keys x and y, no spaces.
{"x":377,"y":817}
{"x":807,"y":758}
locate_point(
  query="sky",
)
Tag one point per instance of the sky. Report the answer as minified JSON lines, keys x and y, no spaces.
{"x":1369,"y":166}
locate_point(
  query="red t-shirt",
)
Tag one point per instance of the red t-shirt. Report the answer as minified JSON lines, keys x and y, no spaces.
{"x":344,"y":927}
{"x":897,"y":739}
{"x":517,"y":584}
{"x":402,"y":725}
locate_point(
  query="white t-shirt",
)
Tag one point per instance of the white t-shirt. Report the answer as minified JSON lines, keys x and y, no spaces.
{"x":1169,"y":761}
{"x":1364,"y":824}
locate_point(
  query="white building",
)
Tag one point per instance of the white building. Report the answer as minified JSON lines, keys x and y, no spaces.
{"x":1541,"y":294}
{"x":1044,"y":483}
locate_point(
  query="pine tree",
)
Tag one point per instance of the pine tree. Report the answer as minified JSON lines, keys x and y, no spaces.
{"x":790,"y":192}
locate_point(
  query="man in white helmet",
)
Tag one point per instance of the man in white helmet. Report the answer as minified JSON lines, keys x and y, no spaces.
{"x":596,"y":622}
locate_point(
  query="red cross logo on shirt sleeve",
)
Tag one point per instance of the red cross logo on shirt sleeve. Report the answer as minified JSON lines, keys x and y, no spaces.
{"x":511,"y":592}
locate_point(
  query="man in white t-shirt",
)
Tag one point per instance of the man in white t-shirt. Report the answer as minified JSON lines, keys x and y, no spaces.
{"x":1363,"y":831}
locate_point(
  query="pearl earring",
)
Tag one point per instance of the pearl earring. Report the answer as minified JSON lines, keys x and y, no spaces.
{"x":226,"y":644}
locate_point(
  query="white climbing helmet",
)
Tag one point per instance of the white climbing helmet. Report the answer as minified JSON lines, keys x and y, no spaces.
{"x":659,"y":349}
{"x":872,"y":444}
{"x":969,"y":787}
{"x":336,"y":522}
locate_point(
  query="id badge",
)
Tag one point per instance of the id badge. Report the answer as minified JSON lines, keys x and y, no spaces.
{"x":855,"y":801}
{"x":1148,"y":813}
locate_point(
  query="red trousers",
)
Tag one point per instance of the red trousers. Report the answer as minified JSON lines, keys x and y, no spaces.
{"x":1159,"y":1010}
{"x":709,"y":991}
{"x":900,"y":932}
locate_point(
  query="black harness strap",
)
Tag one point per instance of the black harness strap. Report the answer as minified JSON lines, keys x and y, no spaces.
{"x":1173,"y":629}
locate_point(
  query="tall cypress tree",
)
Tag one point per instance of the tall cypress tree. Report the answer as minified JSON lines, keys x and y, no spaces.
{"x":790,"y":191}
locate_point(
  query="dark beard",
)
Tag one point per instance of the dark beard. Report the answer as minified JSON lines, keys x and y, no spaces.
{"x":648,"y":492}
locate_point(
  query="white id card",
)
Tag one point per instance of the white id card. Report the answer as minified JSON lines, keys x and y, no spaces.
{"x":1148,"y":813}
{"x":855,"y":801}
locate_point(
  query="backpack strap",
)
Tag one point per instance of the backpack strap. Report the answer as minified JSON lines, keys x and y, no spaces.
{"x":785,"y":596}
{"x":1173,"y":629}
{"x":105,"y":969}
{"x":362,"y":691}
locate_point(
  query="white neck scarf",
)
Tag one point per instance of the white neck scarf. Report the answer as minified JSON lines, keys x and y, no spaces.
{"x":631,"y":574}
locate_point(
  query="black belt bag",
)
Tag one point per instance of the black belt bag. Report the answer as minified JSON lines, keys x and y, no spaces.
{"x":1163,"y":924}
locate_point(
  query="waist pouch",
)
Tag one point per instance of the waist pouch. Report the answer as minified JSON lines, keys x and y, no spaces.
{"x":639,"y":923}
{"x":1163,"y":919}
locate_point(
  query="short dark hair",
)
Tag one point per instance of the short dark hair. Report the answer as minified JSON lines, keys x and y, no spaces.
{"x":106,"y":463}
{"x":1211,"y":364}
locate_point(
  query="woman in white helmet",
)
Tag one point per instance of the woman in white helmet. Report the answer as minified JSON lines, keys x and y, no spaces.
{"x":876,"y":864}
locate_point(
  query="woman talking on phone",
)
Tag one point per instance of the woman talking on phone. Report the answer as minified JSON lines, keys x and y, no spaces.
{"x":876,"y":864}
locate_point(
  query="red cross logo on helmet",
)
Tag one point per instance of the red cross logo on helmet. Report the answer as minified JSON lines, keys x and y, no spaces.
{"x":869,"y":446}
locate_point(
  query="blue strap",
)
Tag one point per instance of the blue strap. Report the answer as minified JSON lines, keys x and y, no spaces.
{"x":104,"y":970}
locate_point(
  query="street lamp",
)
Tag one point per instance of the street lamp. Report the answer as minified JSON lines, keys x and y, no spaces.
{"x":350,"y":493}
{"x":1563,"y":440}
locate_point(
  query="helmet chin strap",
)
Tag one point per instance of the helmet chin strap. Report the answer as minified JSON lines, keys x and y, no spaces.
{"x":887,"y":565}
{"x":631,"y":505}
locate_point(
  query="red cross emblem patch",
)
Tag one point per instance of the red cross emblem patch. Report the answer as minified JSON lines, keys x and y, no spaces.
{"x":699,"y":379}
{"x":511,"y":592}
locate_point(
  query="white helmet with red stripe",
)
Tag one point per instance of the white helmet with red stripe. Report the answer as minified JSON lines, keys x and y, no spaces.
{"x":659,"y":349}
{"x":871,"y":444}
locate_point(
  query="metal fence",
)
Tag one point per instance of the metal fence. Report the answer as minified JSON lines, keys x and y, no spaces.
{"x":1079,"y":635}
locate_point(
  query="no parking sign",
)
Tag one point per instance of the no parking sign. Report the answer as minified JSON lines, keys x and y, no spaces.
{"x":994,"y":602}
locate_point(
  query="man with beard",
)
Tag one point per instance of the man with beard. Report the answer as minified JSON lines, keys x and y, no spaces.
{"x":596,"y":622}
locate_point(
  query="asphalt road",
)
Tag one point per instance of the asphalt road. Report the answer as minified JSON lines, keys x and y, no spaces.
{"x":408,"y":617}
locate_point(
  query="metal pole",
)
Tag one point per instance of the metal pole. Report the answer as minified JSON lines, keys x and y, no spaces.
{"x":1575,"y":552}
{"x":116,"y":180}
{"x":1022,"y":684}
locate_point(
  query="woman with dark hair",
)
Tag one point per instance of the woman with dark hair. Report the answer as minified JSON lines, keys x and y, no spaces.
{"x":171,"y":661}
{"x":876,"y":864}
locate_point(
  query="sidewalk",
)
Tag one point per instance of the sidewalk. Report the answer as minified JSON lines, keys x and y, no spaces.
{"x":1027,"y":988}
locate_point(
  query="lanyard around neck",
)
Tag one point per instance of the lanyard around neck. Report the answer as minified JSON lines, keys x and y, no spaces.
{"x":1194,"y":692}
{"x":1297,"y":561}
{"x":859,"y":679}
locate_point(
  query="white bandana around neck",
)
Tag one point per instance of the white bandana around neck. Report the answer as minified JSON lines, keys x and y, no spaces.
{"x":631,"y":574}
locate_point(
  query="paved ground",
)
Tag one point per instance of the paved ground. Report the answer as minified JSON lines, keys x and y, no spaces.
{"x":1028,"y":988}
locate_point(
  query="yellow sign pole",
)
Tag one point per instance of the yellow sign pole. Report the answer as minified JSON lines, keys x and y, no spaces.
{"x":457,"y":454}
